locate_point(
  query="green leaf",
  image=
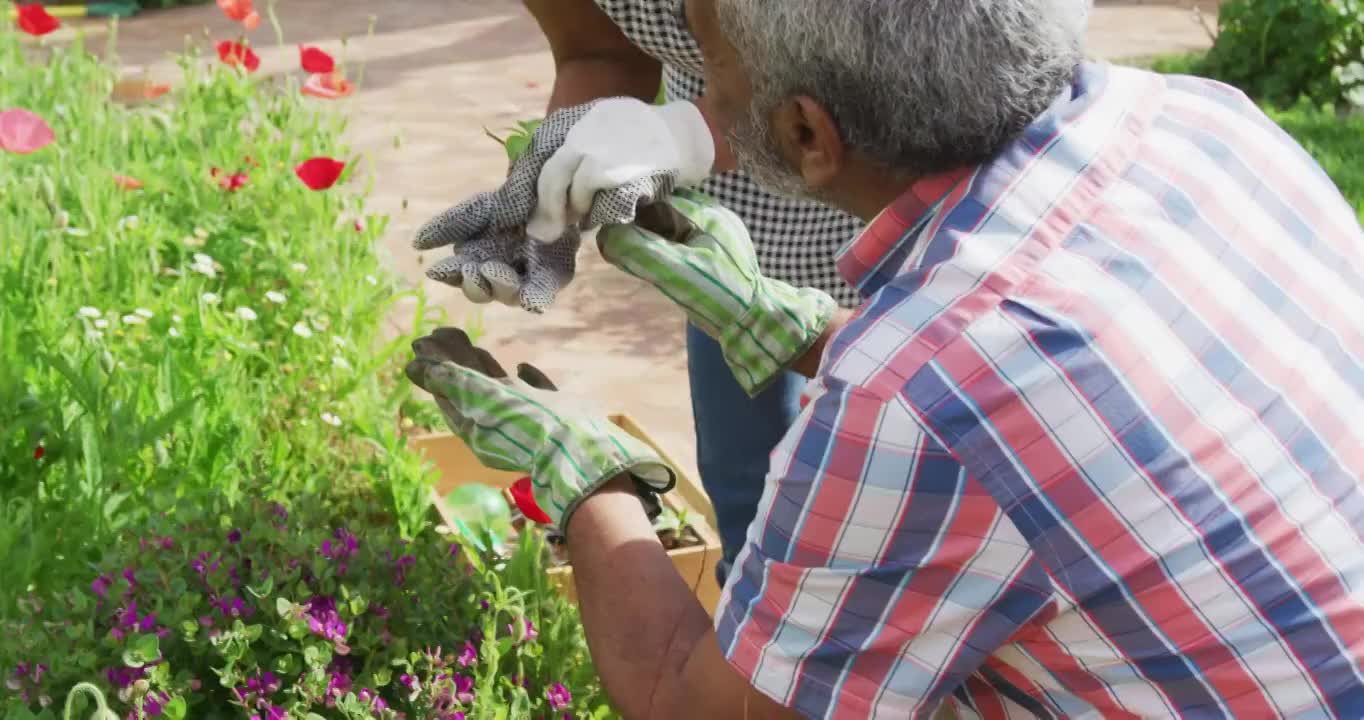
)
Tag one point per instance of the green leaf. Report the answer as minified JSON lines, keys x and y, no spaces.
{"x":283,"y":606}
{"x":175,"y":709}
{"x":142,"y":650}
{"x":263,"y":590}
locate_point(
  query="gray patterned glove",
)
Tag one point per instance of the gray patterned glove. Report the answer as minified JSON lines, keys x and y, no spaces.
{"x":586,"y":166}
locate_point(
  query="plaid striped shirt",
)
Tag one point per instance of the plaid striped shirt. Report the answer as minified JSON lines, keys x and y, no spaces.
{"x":1093,"y":444}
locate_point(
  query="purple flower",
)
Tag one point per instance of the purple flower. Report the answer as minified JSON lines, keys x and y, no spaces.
{"x":167,"y":543}
{"x":204,"y":564}
{"x":468,"y":656}
{"x":232,"y":607}
{"x":101,"y":585}
{"x":345,"y":546}
{"x":279,"y":511}
{"x":464,"y":689}
{"x":258,"y":689}
{"x":530,"y":632}
{"x":484,"y":604}
{"x":323,"y":619}
{"x":372,"y":699}
{"x":152,"y":704}
{"x":400,"y":568}
{"x":272,"y":712}
{"x":337,"y":686}
{"x":235,"y":536}
{"x":122,"y":677}
{"x":410,"y":682}
{"x":131,"y":577}
{"x":559,"y":696}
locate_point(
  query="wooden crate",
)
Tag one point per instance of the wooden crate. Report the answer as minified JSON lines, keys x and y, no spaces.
{"x":457,"y":466}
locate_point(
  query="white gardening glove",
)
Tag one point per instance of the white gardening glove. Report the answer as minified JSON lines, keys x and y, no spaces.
{"x":622,"y":154}
{"x":584,"y":167}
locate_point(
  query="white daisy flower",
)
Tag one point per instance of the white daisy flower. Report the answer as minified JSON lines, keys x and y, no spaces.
{"x":101,"y":323}
{"x":302,"y":330}
{"x":338,"y":341}
{"x":176,"y":319}
{"x":128,"y":223}
{"x":144,"y":312}
{"x":371,"y":280}
{"x":331,"y":419}
{"x":174,"y":332}
{"x":275,"y":297}
{"x":89,"y":312}
{"x":299,"y":268}
{"x":246,"y":313}
{"x":133,"y":320}
{"x":93,"y":335}
{"x":340,"y":362}
{"x":210,"y":298}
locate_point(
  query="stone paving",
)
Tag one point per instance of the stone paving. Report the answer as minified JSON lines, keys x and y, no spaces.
{"x":436,"y":73}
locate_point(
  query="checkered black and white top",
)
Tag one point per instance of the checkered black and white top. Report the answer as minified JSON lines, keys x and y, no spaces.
{"x":796,"y":241}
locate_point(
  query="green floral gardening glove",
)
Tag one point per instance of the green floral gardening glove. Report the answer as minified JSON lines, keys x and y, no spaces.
{"x":699,"y":254}
{"x":523,"y":425}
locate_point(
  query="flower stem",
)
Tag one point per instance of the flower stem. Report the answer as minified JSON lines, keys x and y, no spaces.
{"x":102,"y":711}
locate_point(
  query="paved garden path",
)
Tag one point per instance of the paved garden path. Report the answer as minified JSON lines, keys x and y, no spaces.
{"x":436,"y":73}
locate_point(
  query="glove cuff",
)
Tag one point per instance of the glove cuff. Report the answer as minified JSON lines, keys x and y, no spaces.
{"x":695,"y":142}
{"x":780,"y":326}
{"x":561,"y":481}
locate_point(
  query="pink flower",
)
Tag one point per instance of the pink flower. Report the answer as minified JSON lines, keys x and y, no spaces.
{"x":559,"y":697}
{"x":23,"y":132}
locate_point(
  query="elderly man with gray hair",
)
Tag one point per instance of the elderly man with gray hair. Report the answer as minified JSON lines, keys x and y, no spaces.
{"x":1090,"y":446}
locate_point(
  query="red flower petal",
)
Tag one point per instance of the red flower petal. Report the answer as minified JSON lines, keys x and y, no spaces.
{"x":23,"y":132}
{"x":251,"y":21}
{"x":34,"y":19}
{"x":328,"y":86}
{"x":230,"y":183}
{"x":524,"y":497}
{"x":314,"y":60}
{"x":127,"y":183}
{"x":319,"y":173}
{"x":39,"y":452}
{"x":233,"y":54}
{"x":236,"y":9}
{"x":359,"y":226}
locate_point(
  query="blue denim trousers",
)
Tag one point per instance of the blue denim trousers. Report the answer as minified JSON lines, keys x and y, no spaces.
{"x":735,"y":435}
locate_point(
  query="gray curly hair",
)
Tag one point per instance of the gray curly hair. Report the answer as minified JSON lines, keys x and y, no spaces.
{"x":916,"y":86}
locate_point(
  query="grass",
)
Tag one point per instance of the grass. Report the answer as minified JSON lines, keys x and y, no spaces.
{"x":182,"y":343}
{"x":1336,"y":141}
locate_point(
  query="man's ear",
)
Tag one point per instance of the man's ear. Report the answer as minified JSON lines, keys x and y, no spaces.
{"x":809,"y":140}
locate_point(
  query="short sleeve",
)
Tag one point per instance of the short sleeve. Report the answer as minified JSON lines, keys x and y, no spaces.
{"x":878,"y":575}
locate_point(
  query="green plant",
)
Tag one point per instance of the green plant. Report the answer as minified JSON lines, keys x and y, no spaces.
{"x":264,"y":611}
{"x":217,"y":333}
{"x":1280,"y":50}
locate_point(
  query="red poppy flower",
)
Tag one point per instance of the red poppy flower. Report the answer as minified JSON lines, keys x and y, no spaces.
{"x":23,"y":132}
{"x":359,"y":226}
{"x":524,"y":497}
{"x":34,"y":19}
{"x":233,"y":53}
{"x":229,"y":182}
{"x":127,"y":183}
{"x":319,"y":173}
{"x":328,"y":86}
{"x":39,"y":452}
{"x":243,"y":11}
{"x":314,"y":60}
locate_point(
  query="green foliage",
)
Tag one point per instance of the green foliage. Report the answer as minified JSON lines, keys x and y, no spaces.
{"x":182,"y":344}
{"x":1335,"y":142}
{"x":1280,"y":50}
{"x":267,"y":608}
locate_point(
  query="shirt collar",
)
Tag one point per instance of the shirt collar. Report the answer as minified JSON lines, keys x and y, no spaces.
{"x":878,"y":250}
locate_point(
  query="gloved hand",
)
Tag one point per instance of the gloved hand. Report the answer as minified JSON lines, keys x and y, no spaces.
{"x":522,"y":425}
{"x":586,"y":166}
{"x":700,"y":255}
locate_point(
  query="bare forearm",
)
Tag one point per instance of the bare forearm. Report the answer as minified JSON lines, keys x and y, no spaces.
{"x":585,"y":79}
{"x":651,"y":641}
{"x":642,"y":620}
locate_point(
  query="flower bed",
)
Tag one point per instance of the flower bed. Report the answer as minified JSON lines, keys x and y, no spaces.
{"x":190,"y":332}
